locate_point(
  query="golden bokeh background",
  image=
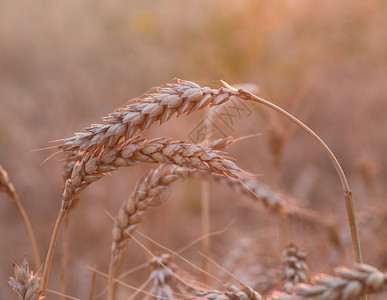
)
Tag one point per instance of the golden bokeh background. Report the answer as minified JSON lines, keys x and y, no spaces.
{"x":65,"y":64}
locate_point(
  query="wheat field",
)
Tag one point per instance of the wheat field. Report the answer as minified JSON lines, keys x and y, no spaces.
{"x":119,"y":180}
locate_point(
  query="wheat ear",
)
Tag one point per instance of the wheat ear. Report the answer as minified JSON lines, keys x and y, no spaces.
{"x":162,"y":277}
{"x":133,"y":210}
{"x":348,"y":284}
{"x":233,"y":292}
{"x":8,"y":187}
{"x":25,"y":284}
{"x":184,"y":97}
{"x":137,"y":151}
{"x":294,"y":267}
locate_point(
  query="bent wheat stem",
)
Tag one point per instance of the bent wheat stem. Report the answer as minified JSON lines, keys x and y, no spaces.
{"x":347,"y":192}
{"x":51,"y":248}
{"x":9,"y":188}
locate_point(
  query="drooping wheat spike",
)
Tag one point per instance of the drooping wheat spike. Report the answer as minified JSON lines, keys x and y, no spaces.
{"x":162,"y":278}
{"x":169,"y":281}
{"x":271,"y":199}
{"x":294,"y":267}
{"x":137,"y":151}
{"x":183,"y":97}
{"x":348,"y":284}
{"x":232,"y":292}
{"x":7,"y":186}
{"x":25,"y":284}
{"x":132,"y":211}
{"x":252,"y":189}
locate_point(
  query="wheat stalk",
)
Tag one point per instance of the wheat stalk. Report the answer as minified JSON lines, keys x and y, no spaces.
{"x":187,"y":97}
{"x":348,"y":284}
{"x":8,"y":187}
{"x":106,"y":147}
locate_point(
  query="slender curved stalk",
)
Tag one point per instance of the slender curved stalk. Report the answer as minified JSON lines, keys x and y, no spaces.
{"x":13,"y":196}
{"x":92,"y":283}
{"x":15,"y":199}
{"x":205,"y":214}
{"x":111,"y":283}
{"x":347,"y":192}
{"x":50,"y":253}
{"x":65,"y":256}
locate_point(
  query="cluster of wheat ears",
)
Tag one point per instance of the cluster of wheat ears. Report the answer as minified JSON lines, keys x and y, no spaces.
{"x":116,"y":143}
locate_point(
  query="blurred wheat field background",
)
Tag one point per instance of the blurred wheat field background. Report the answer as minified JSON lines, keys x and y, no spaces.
{"x":64,"y":65}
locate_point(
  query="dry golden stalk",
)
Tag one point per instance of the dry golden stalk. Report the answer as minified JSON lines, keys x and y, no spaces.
{"x":25,"y":284}
{"x":8,"y":187}
{"x":184,"y":97}
{"x":294,"y":268}
{"x":187,"y":97}
{"x":348,"y":284}
{"x":246,"y":95}
{"x":103,"y":144}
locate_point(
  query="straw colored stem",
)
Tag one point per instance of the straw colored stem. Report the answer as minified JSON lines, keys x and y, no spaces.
{"x":111,"y":285}
{"x":13,"y":196}
{"x":50,"y":252}
{"x":92,"y":284}
{"x":205,"y":211}
{"x":65,"y":256}
{"x":340,"y":172}
{"x":15,"y":199}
